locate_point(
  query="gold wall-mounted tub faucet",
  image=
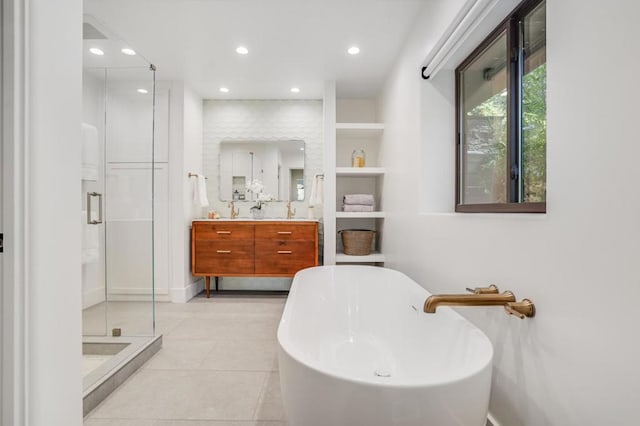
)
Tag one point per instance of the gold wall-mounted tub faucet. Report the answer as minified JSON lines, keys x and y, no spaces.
{"x":483,"y":296}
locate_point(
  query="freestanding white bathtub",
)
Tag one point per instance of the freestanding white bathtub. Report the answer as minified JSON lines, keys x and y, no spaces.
{"x":356,"y":349}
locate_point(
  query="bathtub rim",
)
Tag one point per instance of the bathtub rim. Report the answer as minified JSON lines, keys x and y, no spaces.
{"x":432,"y":384}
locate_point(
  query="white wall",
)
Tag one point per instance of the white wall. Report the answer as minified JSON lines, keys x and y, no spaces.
{"x":53,"y":282}
{"x":193,"y":136}
{"x":185,"y":153}
{"x":575,"y":363}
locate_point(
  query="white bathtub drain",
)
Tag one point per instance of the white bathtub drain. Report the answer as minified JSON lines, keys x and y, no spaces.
{"x":382,"y":373}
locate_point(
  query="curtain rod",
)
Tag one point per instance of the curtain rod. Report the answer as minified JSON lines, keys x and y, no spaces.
{"x":465,"y":21}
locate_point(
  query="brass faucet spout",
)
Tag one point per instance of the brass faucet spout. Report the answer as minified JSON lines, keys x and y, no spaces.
{"x":290,"y":213}
{"x":234,"y":212}
{"x":480,"y":299}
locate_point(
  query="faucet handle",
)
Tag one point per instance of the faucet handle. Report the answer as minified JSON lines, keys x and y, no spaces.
{"x":526,"y":308}
{"x":492,"y":289}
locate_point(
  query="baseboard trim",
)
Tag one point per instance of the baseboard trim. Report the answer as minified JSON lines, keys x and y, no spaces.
{"x":184,"y":294}
{"x":138,"y":298}
{"x":92,"y":297}
{"x":142,"y":291}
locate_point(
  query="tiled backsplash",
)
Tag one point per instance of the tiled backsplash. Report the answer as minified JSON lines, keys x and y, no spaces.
{"x":261,"y":120}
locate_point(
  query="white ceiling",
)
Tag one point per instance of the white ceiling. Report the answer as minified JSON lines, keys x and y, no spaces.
{"x":298,"y":43}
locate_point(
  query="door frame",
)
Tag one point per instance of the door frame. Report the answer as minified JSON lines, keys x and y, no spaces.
{"x":14,"y":291}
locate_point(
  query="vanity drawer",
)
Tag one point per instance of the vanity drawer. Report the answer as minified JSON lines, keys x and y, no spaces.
{"x":284,"y":257}
{"x":224,"y":257}
{"x":223,"y":231}
{"x":293,"y":232}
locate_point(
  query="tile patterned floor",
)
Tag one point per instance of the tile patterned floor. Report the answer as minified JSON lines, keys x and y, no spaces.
{"x":218,"y":367}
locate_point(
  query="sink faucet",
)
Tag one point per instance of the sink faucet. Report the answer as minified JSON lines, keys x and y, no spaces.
{"x":234,"y":212}
{"x":290,"y":213}
{"x":507,"y":299}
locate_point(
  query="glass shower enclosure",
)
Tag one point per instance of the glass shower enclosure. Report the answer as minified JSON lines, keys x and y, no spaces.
{"x":117,"y":199}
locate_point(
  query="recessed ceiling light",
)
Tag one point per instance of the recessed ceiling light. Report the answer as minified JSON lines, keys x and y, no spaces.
{"x":353,"y":50}
{"x":128,"y":51}
{"x":302,"y":149}
{"x":241,"y":50}
{"x":143,"y":91}
{"x":96,"y":51}
{"x":224,"y":90}
{"x":295,"y":90}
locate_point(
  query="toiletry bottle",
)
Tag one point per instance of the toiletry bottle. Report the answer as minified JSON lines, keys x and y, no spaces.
{"x":358,"y":158}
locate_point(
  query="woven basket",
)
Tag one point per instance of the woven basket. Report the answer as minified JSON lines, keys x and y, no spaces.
{"x":357,"y":242}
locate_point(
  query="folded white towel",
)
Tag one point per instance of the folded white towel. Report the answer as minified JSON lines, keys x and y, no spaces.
{"x":356,"y":208}
{"x":360,"y":199}
{"x":90,"y":240}
{"x":90,"y":152}
{"x":200,"y":192}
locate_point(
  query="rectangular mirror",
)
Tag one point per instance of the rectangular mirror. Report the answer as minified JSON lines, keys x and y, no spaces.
{"x":278,"y":165}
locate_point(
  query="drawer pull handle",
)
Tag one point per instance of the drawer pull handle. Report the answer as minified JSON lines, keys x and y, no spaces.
{"x":284,"y":232}
{"x":223,"y":251}
{"x":223,"y":232}
{"x":284,"y":251}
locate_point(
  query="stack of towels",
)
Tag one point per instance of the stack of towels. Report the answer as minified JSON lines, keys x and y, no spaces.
{"x":358,"y":203}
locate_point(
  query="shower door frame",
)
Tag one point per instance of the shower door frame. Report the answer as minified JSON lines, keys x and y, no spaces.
{"x":105,"y":193}
{"x":15,"y":121}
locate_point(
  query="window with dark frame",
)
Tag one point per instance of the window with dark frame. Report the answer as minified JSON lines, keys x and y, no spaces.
{"x":501,"y":124}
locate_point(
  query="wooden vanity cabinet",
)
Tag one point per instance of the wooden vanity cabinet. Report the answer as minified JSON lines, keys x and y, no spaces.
{"x":285,"y":249}
{"x":226,"y":249}
{"x":252,"y":249}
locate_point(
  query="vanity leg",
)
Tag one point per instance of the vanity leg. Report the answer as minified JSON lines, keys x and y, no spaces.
{"x":216,"y":283}
{"x":207,"y":281}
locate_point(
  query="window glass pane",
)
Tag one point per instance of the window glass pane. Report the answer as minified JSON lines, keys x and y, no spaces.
{"x":484,"y":126}
{"x":534,"y":107}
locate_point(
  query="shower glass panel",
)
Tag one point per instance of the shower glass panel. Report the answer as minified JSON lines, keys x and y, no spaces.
{"x":118,"y":201}
{"x":129,"y":201}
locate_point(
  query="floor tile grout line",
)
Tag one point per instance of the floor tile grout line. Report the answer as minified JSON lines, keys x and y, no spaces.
{"x":197,"y":419}
{"x":263,"y":390}
{"x":187,"y":370}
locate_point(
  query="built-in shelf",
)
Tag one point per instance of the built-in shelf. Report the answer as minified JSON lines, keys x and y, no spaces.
{"x":359,"y":171}
{"x":359,"y":215}
{"x":373,"y":257}
{"x":359,"y":130}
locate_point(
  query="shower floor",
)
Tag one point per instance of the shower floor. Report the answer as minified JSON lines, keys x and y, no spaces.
{"x":108,"y":361}
{"x":91,"y":362}
{"x":96,"y":353}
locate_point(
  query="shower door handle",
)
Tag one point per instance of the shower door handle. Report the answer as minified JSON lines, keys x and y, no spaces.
{"x":90,"y":220}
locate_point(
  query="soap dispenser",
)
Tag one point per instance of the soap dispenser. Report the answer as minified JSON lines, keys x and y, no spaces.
{"x":358,"y":158}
